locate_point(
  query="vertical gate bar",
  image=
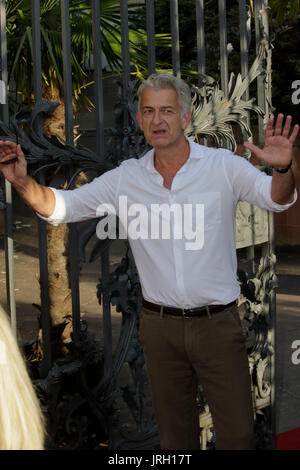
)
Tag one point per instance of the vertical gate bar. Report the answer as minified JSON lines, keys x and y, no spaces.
{"x":125,"y":43}
{"x":263,"y":100}
{"x":201,"y":53}
{"x":67,"y":72}
{"x":244,"y":71}
{"x":244,"y":44}
{"x":107,"y":327}
{"x":97,"y":51}
{"x":36,"y":46}
{"x":9,"y":256}
{"x":266,"y":84}
{"x":150,"y":15}
{"x":201,"y":56}
{"x":244,"y":48}
{"x":73,"y":237}
{"x":125,"y":62}
{"x":258,"y":5}
{"x":107,"y":339}
{"x":42,"y":234}
{"x":272,"y":337}
{"x":223,"y":46}
{"x":8,"y":212}
{"x":175,"y":37}
{"x":44,"y":287}
{"x":3,"y":69}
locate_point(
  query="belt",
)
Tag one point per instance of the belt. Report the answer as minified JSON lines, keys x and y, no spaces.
{"x":207,"y":310}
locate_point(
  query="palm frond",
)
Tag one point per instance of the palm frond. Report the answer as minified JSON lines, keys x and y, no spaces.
{"x":19,"y":27}
{"x":52,"y":54}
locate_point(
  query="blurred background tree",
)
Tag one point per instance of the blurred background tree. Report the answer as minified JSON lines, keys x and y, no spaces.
{"x":285,"y":29}
{"x":284,"y":22}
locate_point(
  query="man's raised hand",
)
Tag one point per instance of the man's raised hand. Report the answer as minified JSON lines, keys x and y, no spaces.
{"x":280,"y":138}
{"x":13,"y":165}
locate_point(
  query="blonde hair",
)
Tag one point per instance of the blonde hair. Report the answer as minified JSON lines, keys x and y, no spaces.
{"x":21,"y":419}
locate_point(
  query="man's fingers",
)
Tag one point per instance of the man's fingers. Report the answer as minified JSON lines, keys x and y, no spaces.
{"x":7,"y":156}
{"x":10,"y":154}
{"x":269,"y":127}
{"x":10,"y":157}
{"x":287,"y":126}
{"x":11,"y":160}
{"x":294,"y":133}
{"x":280,"y":129}
{"x":9,"y":148}
{"x":253,"y":148}
{"x":19,"y":151}
{"x":7,"y":144}
{"x":278,"y":125}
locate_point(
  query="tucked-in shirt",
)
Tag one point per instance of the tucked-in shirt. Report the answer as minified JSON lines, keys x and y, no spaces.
{"x":183,"y":238}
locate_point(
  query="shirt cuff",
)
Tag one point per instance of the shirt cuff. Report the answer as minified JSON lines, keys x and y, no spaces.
{"x":60,"y":213}
{"x":284,"y":207}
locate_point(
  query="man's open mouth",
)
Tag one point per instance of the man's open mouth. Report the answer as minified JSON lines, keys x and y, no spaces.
{"x":159,"y":132}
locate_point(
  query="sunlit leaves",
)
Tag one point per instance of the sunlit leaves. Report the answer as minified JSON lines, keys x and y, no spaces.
{"x":19,"y":35}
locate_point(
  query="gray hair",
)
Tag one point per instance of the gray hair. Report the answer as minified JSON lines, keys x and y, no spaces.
{"x":161,"y":81}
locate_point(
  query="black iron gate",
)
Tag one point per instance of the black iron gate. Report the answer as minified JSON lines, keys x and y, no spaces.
{"x":80,"y":393}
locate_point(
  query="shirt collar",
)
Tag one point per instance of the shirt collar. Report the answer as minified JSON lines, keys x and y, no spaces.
{"x":196,"y":151}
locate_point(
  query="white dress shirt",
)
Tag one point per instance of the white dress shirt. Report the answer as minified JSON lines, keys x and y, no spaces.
{"x":177,"y":271}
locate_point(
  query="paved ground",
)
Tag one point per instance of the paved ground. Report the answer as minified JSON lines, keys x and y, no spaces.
{"x":288,"y":331}
{"x":288,"y":307}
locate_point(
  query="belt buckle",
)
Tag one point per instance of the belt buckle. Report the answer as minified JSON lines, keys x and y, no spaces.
{"x":184,"y":313}
{"x":187,"y":313}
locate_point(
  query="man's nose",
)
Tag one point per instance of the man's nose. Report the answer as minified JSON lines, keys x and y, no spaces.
{"x":156,"y":118}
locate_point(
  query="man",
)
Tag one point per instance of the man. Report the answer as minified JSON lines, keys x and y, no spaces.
{"x":189,"y":327}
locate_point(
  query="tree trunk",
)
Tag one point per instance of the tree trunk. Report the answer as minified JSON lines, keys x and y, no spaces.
{"x":57,"y":245}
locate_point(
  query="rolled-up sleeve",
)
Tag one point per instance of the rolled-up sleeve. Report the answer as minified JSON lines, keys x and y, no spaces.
{"x":252,"y":185}
{"x":59,"y":214}
{"x":263,"y":187}
{"x":83,"y":203}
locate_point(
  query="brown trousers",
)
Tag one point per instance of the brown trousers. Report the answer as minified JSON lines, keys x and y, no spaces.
{"x":182,"y":352}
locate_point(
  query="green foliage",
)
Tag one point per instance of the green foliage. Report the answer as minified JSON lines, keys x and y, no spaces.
{"x":284,"y":12}
{"x":284,"y":24}
{"x":188,"y":35}
{"x":20,"y":55}
{"x":285,"y":34}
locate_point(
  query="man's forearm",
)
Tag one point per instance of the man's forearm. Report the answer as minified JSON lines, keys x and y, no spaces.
{"x":40,"y":198}
{"x":283,"y":187}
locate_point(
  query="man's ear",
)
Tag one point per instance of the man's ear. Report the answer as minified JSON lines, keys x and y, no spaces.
{"x":139,"y":119}
{"x":186,"y":119}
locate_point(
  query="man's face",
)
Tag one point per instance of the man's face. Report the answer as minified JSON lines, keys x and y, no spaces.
{"x":160,"y":118}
